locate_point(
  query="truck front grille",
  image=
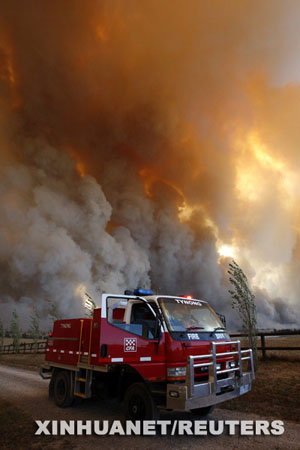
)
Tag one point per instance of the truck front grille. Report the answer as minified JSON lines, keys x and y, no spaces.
{"x":202,"y":376}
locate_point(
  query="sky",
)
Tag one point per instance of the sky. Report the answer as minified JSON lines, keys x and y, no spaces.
{"x":147,"y":144}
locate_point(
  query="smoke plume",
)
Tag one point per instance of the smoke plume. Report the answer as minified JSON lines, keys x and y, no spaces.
{"x":146,"y":143}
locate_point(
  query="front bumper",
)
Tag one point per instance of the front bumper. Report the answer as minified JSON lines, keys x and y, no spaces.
{"x":193,"y":395}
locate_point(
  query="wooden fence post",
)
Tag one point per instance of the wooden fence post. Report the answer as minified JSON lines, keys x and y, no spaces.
{"x":263,"y":347}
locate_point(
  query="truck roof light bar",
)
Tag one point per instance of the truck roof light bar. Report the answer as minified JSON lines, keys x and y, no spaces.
{"x":142,"y":292}
{"x":138,"y":292}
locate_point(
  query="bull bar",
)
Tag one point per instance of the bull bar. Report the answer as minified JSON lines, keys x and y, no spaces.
{"x":192,"y":395}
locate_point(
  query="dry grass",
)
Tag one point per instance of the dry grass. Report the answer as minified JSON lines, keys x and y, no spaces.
{"x":23,"y":361}
{"x":291,"y":340}
{"x":276,"y":389}
{"x":280,"y":341}
{"x":30,"y":361}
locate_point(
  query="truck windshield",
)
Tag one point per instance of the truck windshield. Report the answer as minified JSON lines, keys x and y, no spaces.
{"x":185,"y":315}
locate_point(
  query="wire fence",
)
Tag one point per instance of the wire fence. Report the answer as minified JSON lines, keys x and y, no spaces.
{"x":262,"y":335}
{"x":24,"y":347}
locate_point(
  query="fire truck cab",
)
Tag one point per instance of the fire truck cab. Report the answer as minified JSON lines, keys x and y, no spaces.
{"x":149,"y":351}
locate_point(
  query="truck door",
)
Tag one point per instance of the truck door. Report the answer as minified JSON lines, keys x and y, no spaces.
{"x":131,"y":334}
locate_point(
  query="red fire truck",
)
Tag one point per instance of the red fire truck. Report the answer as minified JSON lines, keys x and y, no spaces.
{"x":149,"y":351}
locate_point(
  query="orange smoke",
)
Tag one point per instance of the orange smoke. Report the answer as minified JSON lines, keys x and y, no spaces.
{"x":102,"y":33}
{"x":8,"y":74}
{"x":184,"y":116}
{"x":80,"y":167}
{"x":150,"y":178}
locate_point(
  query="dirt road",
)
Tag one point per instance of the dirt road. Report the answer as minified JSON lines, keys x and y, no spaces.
{"x":29,"y":392}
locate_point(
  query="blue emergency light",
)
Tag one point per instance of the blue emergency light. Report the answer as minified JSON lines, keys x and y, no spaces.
{"x":138,"y":292}
{"x":142,"y":292}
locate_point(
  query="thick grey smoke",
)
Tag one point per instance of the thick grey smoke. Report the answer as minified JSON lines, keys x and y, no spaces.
{"x":54,"y":245}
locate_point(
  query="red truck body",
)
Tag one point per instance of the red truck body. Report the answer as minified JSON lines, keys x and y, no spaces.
{"x":130,"y":347}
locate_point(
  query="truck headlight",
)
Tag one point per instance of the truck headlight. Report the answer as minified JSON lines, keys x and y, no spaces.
{"x":175,"y":372}
{"x":218,"y":366}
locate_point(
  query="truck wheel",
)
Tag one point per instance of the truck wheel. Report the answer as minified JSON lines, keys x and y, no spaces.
{"x":202,"y":412}
{"x":61,"y":389}
{"x":51,"y":387}
{"x":139,"y":404}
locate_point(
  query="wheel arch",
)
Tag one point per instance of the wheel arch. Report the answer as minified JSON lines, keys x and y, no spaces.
{"x":126,"y":375}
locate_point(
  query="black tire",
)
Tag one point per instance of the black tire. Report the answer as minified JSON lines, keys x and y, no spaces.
{"x":62,"y":390}
{"x":203,"y":412}
{"x":139,"y":403}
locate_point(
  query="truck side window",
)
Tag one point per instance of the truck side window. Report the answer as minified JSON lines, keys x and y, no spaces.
{"x":142,"y":315}
{"x":130,"y":315}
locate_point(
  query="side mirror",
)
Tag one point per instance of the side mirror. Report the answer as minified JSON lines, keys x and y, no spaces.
{"x":157,"y":330}
{"x":223,"y":319}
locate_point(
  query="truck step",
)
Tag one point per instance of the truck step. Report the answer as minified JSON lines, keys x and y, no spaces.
{"x":83,"y":383}
{"x":78,"y":394}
